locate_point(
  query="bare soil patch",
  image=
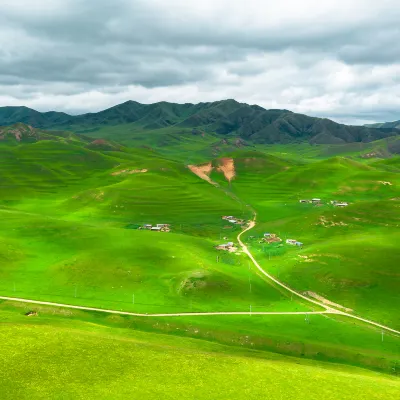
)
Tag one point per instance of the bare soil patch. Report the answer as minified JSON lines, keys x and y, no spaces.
{"x":327,"y":302}
{"x":202,"y":171}
{"x":130,"y":171}
{"x":227,"y":167}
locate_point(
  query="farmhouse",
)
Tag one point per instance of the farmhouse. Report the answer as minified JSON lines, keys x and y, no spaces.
{"x":341,"y":204}
{"x":227,"y":246}
{"x":291,"y":241}
{"x":316,"y":201}
{"x":305,"y":201}
{"x":271,"y":238}
{"x":157,"y":228}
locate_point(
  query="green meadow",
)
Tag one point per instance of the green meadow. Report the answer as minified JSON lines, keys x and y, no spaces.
{"x":69,"y":213}
{"x":74,"y":354}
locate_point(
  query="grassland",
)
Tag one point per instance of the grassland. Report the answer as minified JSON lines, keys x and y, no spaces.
{"x":68,"y":213}
{"x":50,"y":357}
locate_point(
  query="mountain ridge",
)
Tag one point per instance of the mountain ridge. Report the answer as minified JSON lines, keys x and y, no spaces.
{"x":226,"y":117}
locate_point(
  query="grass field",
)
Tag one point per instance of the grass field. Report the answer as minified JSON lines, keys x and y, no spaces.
{"x":48,"y":357}
{"x":68,"y":215}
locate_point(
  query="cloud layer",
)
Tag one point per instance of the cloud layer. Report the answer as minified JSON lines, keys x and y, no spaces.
{"x":336,"y":59}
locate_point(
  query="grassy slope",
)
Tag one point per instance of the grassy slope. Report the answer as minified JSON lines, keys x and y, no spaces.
{"x":49,"y":358}
{"x":81,"y":244}
{"x":353,"y":256}
{"x":51,"y":259}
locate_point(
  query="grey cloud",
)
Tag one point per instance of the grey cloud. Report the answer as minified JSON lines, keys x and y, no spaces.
{"x":83,"y":46}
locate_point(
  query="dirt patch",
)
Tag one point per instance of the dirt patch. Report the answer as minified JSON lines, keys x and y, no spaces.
{"x":327,"y":223}
{"x":202,"y":171}
{"x":130,"y":171}
{"x":386,"y":183}
{"x":306,"y":258}
{"x":227,"y":167}
{"x":327,"y":302}
{"x":31,"y":314}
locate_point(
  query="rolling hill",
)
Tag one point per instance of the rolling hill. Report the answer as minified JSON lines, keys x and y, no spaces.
{"x":71,"y":205}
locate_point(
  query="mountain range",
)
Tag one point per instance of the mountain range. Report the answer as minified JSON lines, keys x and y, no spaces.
{"x":385,"y":125}
{"x":225,"y":118}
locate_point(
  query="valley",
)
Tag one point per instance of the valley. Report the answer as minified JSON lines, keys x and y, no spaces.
{"x":71,"y":206}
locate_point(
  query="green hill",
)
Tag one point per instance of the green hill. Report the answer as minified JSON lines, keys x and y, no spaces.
{"x":71,"y":206}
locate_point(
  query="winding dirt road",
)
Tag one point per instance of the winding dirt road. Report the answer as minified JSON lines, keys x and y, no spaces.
{"x":328,"y":310}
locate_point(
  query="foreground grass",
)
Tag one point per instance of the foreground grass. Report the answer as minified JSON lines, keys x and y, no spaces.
{"x":49,"y":358}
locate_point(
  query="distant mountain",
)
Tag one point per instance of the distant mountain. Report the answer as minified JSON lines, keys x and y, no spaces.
{"x":227,"y":117}
{"x":385,"y":125}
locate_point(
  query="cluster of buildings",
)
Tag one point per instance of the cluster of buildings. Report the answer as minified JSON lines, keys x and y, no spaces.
{"x":312,"y":201}
{"x":319,"y":202}
{"x":227,"y":247}
{"x":233,"y":220}
{"x":157,"y":227}
{"x":271,"y":238}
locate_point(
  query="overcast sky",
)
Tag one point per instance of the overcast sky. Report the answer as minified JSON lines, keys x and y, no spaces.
{"x":331,"y":58}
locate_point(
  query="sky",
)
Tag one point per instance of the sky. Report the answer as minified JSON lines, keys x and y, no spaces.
{"x":338,"y":59}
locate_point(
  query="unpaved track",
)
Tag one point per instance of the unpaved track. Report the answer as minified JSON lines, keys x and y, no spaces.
{"x":328,"y":309}
{"x":49,"y":303}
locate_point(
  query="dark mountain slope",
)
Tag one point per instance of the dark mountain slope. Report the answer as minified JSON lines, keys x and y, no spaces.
{"x":226,"y":117}
{"x":387,"y":125}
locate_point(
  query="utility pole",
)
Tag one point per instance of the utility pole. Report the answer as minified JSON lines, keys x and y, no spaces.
{"x":250,"y":283}
{"x":76,"y":289}
{"x":250,"y":310}
{"x":133,"y":298}
{"x":307,"y":319}
{"x":382,"y":336}
{"x":217,"y":258}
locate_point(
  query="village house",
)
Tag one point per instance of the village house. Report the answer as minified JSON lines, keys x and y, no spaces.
{"x":271,"y":238}
{"x":294,"y":242}
{"x":341,"y":204}
{"x":305,"y":201}
{"x":316,"y":201}
{"x":157,"y":228}
{"x":227,"y":246}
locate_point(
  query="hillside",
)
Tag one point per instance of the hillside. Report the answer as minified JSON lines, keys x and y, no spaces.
{"x":71,"y":207}
{"x":385,"y":125}
{"x":223,"y":118}
{"x":93,"y":358}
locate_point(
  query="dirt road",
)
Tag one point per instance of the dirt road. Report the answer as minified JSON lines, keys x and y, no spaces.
{"x":328,"y":310}
{"x":49,"y":303}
